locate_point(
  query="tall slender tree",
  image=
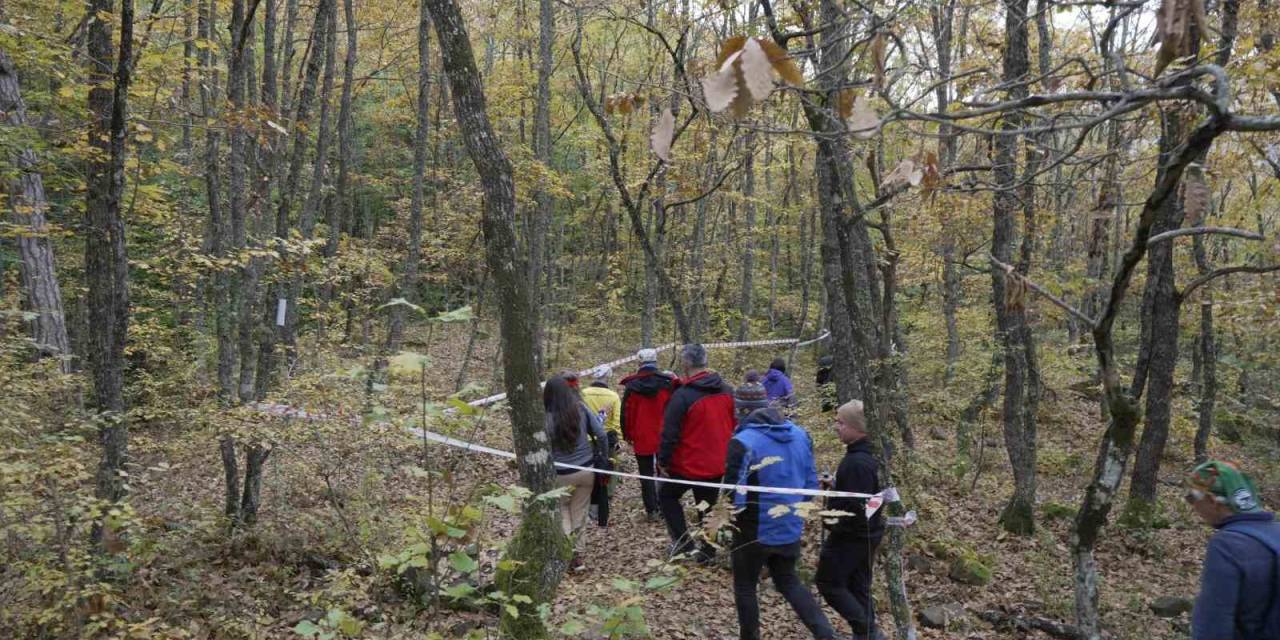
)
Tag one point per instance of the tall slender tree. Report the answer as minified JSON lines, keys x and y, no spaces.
{"x":539,"y":550}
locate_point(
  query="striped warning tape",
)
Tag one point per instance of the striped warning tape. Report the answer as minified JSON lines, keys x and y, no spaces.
{"x":483,"y":402}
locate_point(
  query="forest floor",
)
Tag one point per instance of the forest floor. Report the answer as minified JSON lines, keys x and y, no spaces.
{"x":340,"y":496}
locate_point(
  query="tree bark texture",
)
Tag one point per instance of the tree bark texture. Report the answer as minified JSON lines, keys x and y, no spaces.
{"x":539,"y":548}
{"x":106,"y":262}
{"x":276,"y":333}
{"x":539,"y":216}
{"x":341,"y":213}
{"x":1012,"y":333}
{"x":42,"y":295}
{"x":408,"y":285}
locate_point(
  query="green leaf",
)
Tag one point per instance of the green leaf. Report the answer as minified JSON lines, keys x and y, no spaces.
{"x":407,"y":363}
{"x":462,"y":562}
{"x":306,"y":629}
{"x":622,"y":584}
{"x":512,"y":610}
{"x":572,"y":628}
{"x":401,"y":302}
{"x":520,"y":597}
{"x":461,"y":314}
{"x":459,"y":591}
{"x":462,"y":407}
{"x":506,"y":502}
{"x":658,"y":583}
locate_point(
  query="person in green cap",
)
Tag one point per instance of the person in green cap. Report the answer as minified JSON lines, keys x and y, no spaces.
{"x":1240,"y":582}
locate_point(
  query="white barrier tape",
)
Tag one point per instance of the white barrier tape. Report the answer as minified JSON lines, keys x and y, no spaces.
{"x":482,"y":402}
{"x":741,"y":488}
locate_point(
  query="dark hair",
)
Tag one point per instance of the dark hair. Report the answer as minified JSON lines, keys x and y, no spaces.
{"x":694,"y":355}
{"x":562,"y":404}
{"x":779,"y":364}
{"x":826,"y":361}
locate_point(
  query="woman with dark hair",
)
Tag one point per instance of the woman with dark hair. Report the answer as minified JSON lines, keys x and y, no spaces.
{"x":576,"y":437}
{"x":778,"y":385}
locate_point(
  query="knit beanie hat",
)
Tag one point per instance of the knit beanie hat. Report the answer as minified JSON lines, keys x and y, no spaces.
{"x":648,"y":358}
{"x":694,"y":355}
{"x":601,"y":373}
{"x":1224,"y":480}
{"x":750,"y":395}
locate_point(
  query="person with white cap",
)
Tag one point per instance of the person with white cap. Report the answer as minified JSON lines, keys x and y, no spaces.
{"x":644,"y":399}
{"x":606,"y":404}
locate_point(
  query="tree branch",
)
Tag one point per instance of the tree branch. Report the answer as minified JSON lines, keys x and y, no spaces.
{"x":1199,"y":231}
{"x":1009,"y":272}
{"x":1218,"y":273}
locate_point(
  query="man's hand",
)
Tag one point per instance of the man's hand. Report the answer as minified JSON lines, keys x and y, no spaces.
{"x":661,"y":471}
{"x":825,"y":481}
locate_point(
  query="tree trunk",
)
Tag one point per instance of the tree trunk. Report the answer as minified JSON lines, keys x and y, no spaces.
{"x":106,"y":263}
{"x":1012,"y":334}
{"x":539,"y":549}
{"x":943,"y":18}
{"x":278,"y":331}
{"x":41,"y":294}
{"x":341,"y":214}
{"x":408,"y":286}
{"x":237,"y":81}
{"x":539,"y":216}
{"x":748,"y":236}
{"x":1165,"y":306}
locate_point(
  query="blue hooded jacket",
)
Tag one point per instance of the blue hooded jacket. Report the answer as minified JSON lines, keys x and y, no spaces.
{"x":768,"y":450}
{"x":1240,"y":583}
{"x":777,"y":386}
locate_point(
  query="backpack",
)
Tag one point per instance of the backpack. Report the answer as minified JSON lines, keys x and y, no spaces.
{"x":1271,"y":621}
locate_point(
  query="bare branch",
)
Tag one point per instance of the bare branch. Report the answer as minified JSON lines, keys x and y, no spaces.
{"x":1010,"y":272}
{"x":1218,"y":273}
{"x":1200,"y":231}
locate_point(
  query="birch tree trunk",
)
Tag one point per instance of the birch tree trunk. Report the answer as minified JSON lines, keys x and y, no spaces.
{"x":41,"y":294}
{"x":539,"y":548}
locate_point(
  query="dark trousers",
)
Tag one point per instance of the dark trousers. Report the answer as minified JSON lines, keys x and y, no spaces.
{"x":648,"y":488}
{"x":844,"y":580}
{"x":600,"y":498}
{"x":669,"y":495}
{"x":747,"y":561}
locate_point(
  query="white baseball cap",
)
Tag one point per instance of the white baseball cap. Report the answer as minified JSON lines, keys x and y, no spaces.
{"x":647,"y":355}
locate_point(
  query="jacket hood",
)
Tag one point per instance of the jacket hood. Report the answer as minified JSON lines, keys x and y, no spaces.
{"x":774,"y":374}
{"x":784,"y":432}
{"x":708,"y":381}
{"x":1251,"y":516}
{"x":646,"y":383}
{"x":765,"y":416}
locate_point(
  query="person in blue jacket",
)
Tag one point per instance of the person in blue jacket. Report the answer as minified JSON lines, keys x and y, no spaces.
{"x":777,"y":385}
{"x":768,"y":450}
{"x":1240,"y":582}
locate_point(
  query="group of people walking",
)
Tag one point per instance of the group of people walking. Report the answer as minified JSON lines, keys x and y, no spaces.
{"x":692,"y":430}
{"x":696,"y":428}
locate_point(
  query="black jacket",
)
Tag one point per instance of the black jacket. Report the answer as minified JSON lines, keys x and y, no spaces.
{"x":858,"y":473}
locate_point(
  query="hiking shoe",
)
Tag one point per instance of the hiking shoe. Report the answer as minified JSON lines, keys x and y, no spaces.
{"x":576,"y":563}
{"x":653,"y":516}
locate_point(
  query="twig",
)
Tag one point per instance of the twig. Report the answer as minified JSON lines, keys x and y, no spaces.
{"x":1051,"y":627}
{"x":1197,"y":231}
{"x":1218,"y":273}
{"x":1009,"y":272}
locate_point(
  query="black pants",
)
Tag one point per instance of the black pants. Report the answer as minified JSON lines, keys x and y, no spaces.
{"x":844,"y":580}
{"x":600,"y":498}
{"x":747,"y":561}
{"x":648,"y":488}
{"x":669,"y":495}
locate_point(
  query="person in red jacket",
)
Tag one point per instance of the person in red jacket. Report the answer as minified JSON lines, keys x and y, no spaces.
{"x":645,"y":394}
{"x":696,"y":428}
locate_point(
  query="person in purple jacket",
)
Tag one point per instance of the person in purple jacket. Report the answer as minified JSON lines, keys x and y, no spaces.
{"x":1240,"y":582}
{"x":777,"y":385}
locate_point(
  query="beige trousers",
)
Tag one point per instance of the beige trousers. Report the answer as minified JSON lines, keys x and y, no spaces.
{"x":573,"y":507}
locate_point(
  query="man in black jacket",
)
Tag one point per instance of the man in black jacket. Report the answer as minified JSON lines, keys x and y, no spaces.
{"x":844,"y":566}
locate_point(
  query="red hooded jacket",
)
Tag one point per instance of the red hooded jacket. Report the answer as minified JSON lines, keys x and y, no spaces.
{"x":697,"y":426}
{"x":644,"y":399}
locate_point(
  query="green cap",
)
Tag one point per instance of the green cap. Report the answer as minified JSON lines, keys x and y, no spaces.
{"x":1231,"y":486}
